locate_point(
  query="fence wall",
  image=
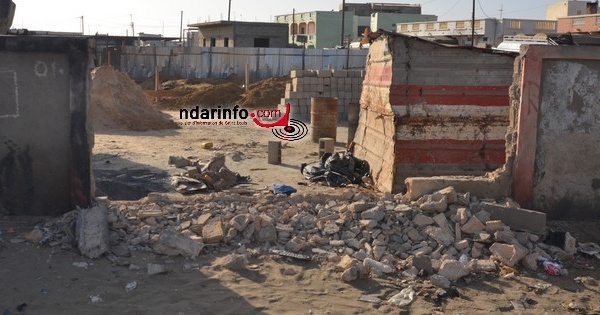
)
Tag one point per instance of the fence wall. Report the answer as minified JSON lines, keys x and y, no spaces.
{"x":220,"y":62}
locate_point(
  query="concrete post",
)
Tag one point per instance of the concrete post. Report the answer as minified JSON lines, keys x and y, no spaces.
{"x":274,"y":155}
{"x":326,"y":145}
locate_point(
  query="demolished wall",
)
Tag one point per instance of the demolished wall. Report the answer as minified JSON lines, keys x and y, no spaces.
{"x":429,"y":109}
{"x":556,"y":168}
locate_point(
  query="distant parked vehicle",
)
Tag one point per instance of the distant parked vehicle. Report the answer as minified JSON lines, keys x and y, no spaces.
{"x":513,"y":43}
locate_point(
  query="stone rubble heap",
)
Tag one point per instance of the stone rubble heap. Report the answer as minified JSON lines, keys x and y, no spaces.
{"x":444,"y":236}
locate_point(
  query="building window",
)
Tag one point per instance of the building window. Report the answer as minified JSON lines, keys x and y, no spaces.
{"x":404,"y":28}
{"x":213,"y":42}
{"x":514,"y":24}
{"x":578,"y":22}
{"x":460,"y":25}
{"x":415,"y":27}
{"x":430,"y":26}
{"x":312,"y":28}
{"x":226,"y":42}
{"x":302,"y":27}
{"x":477,"y":24}
{"x":545,"y":25}
{"x":261,"y":42}
{"x":294,"y":29}
{"x":204,"y":42}
{"x":443,"y":26}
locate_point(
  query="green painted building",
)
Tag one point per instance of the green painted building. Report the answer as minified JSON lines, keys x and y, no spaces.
{"x":322,"y":29}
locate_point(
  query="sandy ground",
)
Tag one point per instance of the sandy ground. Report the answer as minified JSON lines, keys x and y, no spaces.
{"x":44,"y":280}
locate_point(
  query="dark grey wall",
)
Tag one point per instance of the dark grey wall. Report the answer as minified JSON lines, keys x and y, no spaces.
{"x":44,"y":139}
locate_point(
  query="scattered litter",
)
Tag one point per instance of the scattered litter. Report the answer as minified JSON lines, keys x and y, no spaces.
{"x":541,"y":288}
{"x":586,"y":280}
{"x":578,"y":307}
{"x":285,"y":253}
{"x":81,"y":264}
{"x":336,"y":170}
{"x":550,"y":267}
{"x":522,"y":303}
{"x":283,"y":189}
{"x":405,"y":297}
{"x":591,"y":249}
{"x":95,"y":298}
{"x":207,"y":145}
{"x":131,"y":286}
{"x":370,"y":299}
{"x":21,"y":307}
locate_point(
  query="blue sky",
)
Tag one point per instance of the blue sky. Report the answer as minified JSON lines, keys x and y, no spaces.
{"x":163,"y":17}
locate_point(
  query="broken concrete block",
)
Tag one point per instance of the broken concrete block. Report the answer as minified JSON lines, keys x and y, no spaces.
{"x":570,"y":244}
{"x":509,"y":254}
{"x":530,"y":261}
{"x":422,"y":220}
{"x":359,"y":206}
{"x":267,"y":233}
{"x":377,"y":267}
{"x":435,"y":203}
{"x":414,"y":235}
{"x":91,"y":231}
{"x":477,"y":186}
{"x":184,"y":245}
{"x":475,"y":252}
{"x":481,"y":265}
{"x":453,"y":270}
{"x":421,"y":262}
{"x":346,"y":262}
{"x":440,"y":281}
{"x":493,"y":226}
{"x":373,"y":214}
{"x":350,"y":274}
{"x":233,"y":262}
{"x":461,"y":245}
{"x":462,"y":215}
{"x":178,"y":161}
{"x":439,"y":235}
{"x":450,"y":194}
{"x":473,"y":226}
{"x":213,"y":231}
{"x":516,"y":218}
{"x":296,"y":244}
{"x":156,"y":269}
{"x":505,"y":236}
{"x":240,"y":221}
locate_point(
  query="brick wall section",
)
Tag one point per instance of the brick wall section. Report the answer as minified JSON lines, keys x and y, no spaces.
{"x":590,"y":24}
{"x":345,"y":85}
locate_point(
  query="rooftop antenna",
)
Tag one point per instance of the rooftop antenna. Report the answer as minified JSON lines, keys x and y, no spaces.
{"x":229,"y":12}
{"x":501,"y":10}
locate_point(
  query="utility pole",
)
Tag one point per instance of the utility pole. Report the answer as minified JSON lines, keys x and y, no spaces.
{"x":229,"y":12}
{"x":343,"y":20}
{"x":180,"y":27}
{"x":82,"y":29}
{"x":501,"y":10}
{"x":473,"y":26}
{"x":293,"y":24}
{"x":132,"y":28}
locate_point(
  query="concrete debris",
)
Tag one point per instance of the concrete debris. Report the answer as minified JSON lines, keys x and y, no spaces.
{"x":359,"y":233}
{"x":212,"y":176}
{"x":453,"y":270}
{"x":91,"y":231}
{"x":156,"y":269}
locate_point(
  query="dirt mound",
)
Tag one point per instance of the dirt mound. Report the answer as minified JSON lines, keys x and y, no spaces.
{"x":117,"y":101}
{"x":265,"y":93}
{"x":212,"y":95}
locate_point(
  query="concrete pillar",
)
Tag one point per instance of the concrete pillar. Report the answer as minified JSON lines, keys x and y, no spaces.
{"x":274,"y":153}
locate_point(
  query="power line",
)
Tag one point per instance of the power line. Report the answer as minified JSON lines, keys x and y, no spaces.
{"x":452,"y":8}
{"x":481,"y":8}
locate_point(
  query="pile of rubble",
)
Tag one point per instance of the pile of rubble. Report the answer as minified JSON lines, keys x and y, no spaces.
{"x":443,"y":236}
{"x":199,"y":177}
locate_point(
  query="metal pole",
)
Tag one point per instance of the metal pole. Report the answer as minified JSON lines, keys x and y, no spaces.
{"x":293,"y":23}
{"x":229,"y":12}
{"x":343,"y":21}
{"x":180,"y":27}
{"x":473,"y":26}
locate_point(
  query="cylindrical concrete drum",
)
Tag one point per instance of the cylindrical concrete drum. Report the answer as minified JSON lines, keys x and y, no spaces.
{"x":323,"y":118}
{"x":353,"y":112}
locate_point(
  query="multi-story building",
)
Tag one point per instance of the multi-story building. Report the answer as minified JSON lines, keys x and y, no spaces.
{"x":488,"y":32}
{"x":589,"y":23}
{"x":570,"y":8}
{"x":323,"y":29}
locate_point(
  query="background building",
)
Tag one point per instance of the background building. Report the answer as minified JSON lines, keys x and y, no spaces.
{"x":488,"y":32}
{"x":569,"y":8}
{"x":323,"y":29}
{"x":241,"y":34}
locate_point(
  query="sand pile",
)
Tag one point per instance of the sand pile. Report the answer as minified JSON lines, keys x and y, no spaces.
{"x":117,"y":101}
{"x":265,"y":93}
{"x":212,"y":95}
